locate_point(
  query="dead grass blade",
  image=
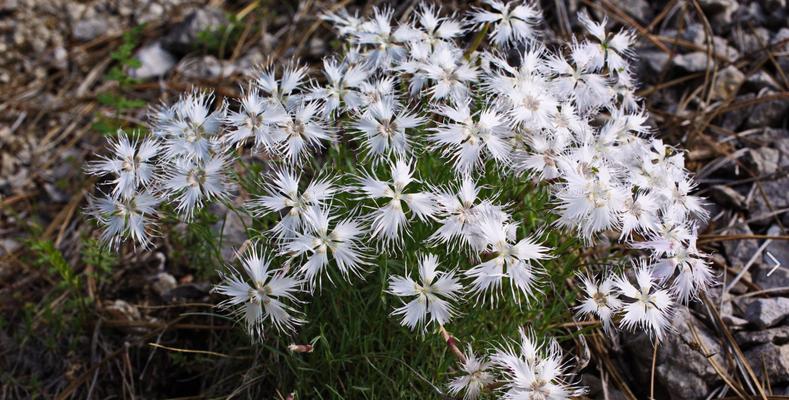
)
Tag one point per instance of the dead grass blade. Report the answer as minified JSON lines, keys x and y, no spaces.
{"x":740,"y":359}
{"x":718,"y":369}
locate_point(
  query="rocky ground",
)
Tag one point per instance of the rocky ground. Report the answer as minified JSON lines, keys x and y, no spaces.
{"x":714,"y":79}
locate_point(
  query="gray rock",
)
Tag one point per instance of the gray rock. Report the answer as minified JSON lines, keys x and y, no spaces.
{"x":775,"y":194}
{"x":727,"y":196}
{"x":735,"y":323}
{"x":774,"y":4}
{"x":693,"y":32}
{"x":162,"y":283}
{"x":783,"y":51}
{"x":120,"y":309}
{"x":317,"y":47}
{"x":733,"y":120}
{"x":154,"y":60}
{"x":772,"y":359}
{"x":184,"y":36}
{"x":739,"y":252}
{"x":764,"y":313}
{"x":88,"y":29}
{"x":253,"y":57}
{"x":714,"y":294}
{"x":655,"y":60}
{"x":206,"y":67}
{"x":188,"y":291}
{"x":727,"y":82}
{"x":8,"y":246}
{"x":152,"y":11}
{"x":780,"y":138}
{"x":639,"y":9}
{"x":761,"y":80}
{"x":692,"y":62}
{"x":682,"y":369}
{"x":60,"y":57}
{"x":762,"y":161}
{"x":751,"y":12}
{"x":779,"y":335}
{"x":722,"y":49}
{"x":781,"y":142}
{"x":231,"y":226}
{"x":8,"y":5}
{"x":720,"y":10}
{"x":594,"y":387}
{"x":740,"y":287}
{"x":750,"y":42}
{"x":769,"y":113}
{"x":55,"y":194}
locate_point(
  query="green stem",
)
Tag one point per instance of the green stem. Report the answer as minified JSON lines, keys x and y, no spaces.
{"x":477,"y":41}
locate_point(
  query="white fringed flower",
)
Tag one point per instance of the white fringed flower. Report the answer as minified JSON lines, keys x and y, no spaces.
{"x":670,"y":235}
{"x":268,"y":297}
{"x":192,"y":130}
{"x":511,"y":24}
{"x":692,"y":270}
{"x":436,"y":29}
{"x":285,"y":91}
{"x":449,"y":74}
{"x":129,"y":217}
{"x":591,"y":200}
{"x":342,"y":91}
{"x":131,"y":165}
{"x":345,"y":23}
{"x":254,"y":120}
{"x":588,"y":89}
{"x":190,"y":183}
{"x":542,"y":159}
{"x":434,"y":291}
{"x":389,"y":220}
{"x":475,"y":375}
{"x":533,"y":106}
{"x":317,"y":242}
{"x":379,"y":91}
{"x":468,"y":139}
{"x":384,"y":126}
{"x":284,"y":196}
{"x":301,"y":133}
{"x":645,"y":307}
{"x":534,"y":371}
{"x":678,"y":194}
{"x":640,"y":214}
{"x":511,"y":258}
{"x":458,"y":213}
{"x":610,"y":51}
{"x":386,"y":47}
{"x":601,"y":300}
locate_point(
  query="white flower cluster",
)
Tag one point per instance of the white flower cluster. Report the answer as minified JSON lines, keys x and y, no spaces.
{"x":523,"y":369}
{"x":405,"y":94}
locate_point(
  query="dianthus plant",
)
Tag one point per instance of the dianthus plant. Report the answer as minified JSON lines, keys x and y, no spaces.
{"x":401,"y":149}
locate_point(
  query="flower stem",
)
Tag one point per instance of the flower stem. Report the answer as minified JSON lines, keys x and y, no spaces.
{"x":452,"y":344}
{"x":477,"y":41}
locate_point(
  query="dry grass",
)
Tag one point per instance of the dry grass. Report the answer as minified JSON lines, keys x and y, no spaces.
{"x":76,"y":342}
